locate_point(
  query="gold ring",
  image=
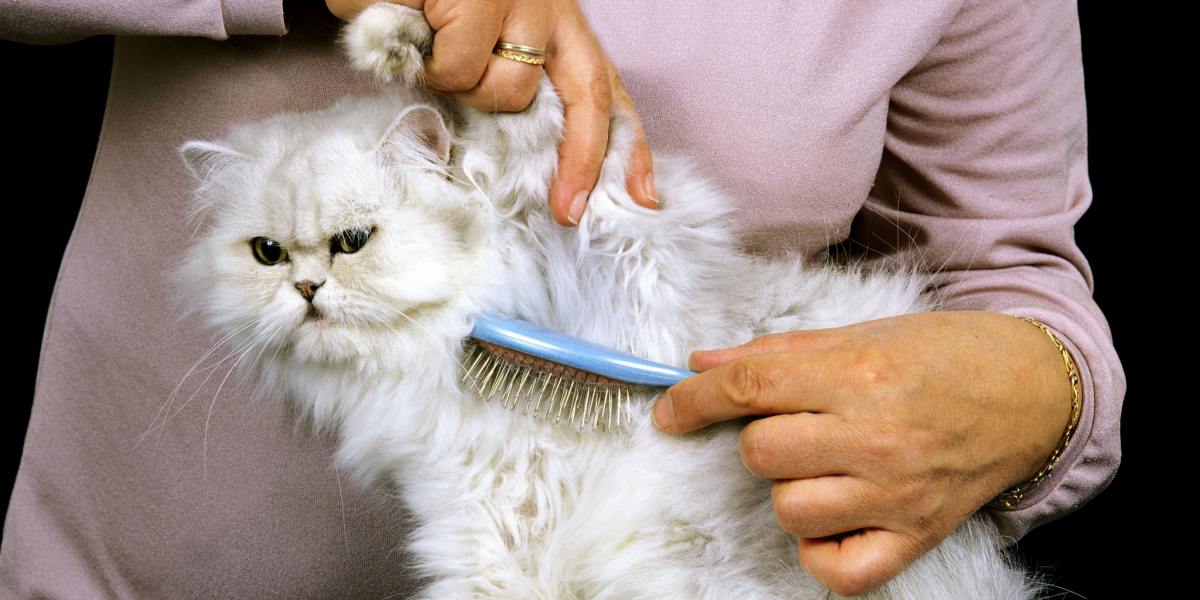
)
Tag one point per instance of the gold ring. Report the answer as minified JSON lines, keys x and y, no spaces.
{"x":522,"y":54}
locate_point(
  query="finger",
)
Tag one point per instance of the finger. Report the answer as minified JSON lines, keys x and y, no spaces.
{"x":825,"y":506}
{"x":774,"y":383}
{"x":639,"y":174}
{"x":506,"y":86}
{"x":586,"y":95}
{"x":799,"y":446}
{"x":703,"y":360}
{"x":463,"y":39}
{"x":854,"y":564}
{"x":580,"y":156}
{"x":509,"y":85}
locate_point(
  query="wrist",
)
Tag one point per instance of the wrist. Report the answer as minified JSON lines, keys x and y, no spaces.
{"x":1064,"y":393}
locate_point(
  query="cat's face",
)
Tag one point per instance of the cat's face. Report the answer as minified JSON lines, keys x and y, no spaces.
{"x":317,"y":244}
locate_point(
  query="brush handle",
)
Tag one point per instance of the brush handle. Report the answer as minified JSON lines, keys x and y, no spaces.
{"x":573,"y":352}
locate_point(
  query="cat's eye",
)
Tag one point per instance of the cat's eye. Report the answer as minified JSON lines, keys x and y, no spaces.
{"x":350,"y":240}
{"x":268,"y":251}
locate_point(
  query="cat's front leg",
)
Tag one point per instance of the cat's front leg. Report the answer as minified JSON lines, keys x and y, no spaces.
{"x":469,"y":557}
{"x":389,"y":41}
{"x":473,"y":538}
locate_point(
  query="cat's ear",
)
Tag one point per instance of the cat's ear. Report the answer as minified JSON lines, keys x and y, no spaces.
{"x":202,"y":158}
{"x":421,"y":128}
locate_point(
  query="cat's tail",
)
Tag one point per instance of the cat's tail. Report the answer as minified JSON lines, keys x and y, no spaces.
{"x":389,"y":41}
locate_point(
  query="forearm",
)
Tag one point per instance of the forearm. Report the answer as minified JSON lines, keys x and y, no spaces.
{"x":983,"y":178}
{"x":1090,"y":461}
{"x":60,"y":21}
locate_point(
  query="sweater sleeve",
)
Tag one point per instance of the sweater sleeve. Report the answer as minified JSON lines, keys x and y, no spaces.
{"x":982,"y":179}
{"x":61,"y":21}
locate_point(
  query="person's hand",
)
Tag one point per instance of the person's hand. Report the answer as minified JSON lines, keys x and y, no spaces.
{"x":466,"y":31}
{"x":885,"y":435}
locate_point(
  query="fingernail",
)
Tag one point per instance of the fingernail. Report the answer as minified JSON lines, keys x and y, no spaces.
{"x":648,"y":188}
{"x":664,"y":412}
{"x":577,"y":205}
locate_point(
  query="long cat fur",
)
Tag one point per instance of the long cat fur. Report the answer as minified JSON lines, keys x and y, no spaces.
{"x":510,"y":507}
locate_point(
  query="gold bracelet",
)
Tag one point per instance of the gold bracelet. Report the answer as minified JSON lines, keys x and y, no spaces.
{"x":1010,"y":499}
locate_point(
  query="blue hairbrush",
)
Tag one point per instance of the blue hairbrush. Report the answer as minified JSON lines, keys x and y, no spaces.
{"x":557,"y":376}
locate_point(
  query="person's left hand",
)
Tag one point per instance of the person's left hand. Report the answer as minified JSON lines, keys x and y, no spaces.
{"x":462,"y":64}
{"x":885,"y":435}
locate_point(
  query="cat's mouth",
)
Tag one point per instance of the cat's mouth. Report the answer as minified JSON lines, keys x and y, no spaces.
{"x":313,"y":314}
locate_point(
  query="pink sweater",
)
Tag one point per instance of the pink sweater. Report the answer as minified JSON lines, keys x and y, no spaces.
{"x":942,"y":131}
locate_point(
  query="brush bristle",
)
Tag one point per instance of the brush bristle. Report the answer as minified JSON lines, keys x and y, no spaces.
{"x":548,"y":390}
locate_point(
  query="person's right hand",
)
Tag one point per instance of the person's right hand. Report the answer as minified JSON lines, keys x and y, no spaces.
{"x":462,"y":64}
{"x":882,"y":437}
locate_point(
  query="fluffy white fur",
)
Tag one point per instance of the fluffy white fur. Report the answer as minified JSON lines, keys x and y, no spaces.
{"x":510,"y":507}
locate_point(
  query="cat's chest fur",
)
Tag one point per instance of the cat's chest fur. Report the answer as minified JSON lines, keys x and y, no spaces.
{"x":543,"y":511}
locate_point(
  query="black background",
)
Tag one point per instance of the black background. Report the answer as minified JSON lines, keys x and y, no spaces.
{"x":54,"y":102}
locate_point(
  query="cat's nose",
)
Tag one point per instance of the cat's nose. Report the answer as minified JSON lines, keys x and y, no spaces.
{"x":309,"y":288}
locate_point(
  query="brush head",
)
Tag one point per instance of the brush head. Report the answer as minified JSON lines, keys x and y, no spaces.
{"x":548,"y":390}
{"x":562,"y":349}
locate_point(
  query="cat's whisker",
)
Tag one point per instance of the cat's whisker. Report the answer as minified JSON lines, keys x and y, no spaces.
{"x":266,"y":343}
{"x":342,"y":504}
{"x":275,"y":356}
{"x":165,"y":406}
{"x":249,"y":348}
{"x":240,"y":351}
{"x":212,"y":369}
{"x":204,"y":453}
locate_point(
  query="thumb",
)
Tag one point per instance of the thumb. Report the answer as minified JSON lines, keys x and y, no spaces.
{"x":858,"y":562}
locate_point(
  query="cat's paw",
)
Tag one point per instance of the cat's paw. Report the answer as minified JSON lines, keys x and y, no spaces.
{"x":389,"y":41}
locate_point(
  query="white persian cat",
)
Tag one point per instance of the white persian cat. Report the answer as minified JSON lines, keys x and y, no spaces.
{"x":349,"y":248}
